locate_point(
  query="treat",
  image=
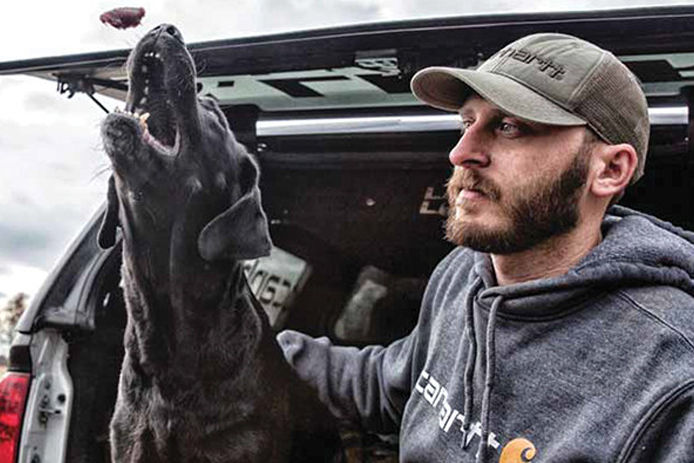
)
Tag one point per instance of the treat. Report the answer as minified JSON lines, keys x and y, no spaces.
{"x":122,"y":18}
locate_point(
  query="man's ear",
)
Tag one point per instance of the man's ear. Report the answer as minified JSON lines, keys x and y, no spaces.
{"x":615,"y":166}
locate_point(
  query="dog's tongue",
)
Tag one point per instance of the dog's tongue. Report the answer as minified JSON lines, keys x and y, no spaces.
{"x":123,"y":18}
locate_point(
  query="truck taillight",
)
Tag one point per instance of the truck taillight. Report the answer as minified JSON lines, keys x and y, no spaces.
{"x":14,"y":388}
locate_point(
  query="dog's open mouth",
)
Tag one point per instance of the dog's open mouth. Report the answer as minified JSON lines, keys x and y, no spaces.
{"x":151,"y":102}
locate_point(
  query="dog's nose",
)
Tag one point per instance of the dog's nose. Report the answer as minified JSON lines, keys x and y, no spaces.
{"x":169,"y":29}
{"x":174,"y":32}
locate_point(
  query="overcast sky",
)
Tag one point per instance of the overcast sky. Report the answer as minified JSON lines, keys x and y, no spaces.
{"x":52,"y":169}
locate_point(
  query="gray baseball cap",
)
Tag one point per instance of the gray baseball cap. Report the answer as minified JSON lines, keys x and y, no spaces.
{"x":553,"y":79}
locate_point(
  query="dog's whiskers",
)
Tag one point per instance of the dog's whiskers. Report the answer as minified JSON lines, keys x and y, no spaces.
{"x":103,"y":170}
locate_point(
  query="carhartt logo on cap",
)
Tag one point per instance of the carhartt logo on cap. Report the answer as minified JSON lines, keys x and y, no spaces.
{"x":552,"y":69}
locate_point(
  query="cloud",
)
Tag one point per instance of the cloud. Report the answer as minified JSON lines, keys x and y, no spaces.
{"x":23,"y":200}
{"x":49,"y":181}
{"x":42,"y":102}
{"x":219,"y":19}
{"x":401,"y":9}
{"x":35,"y":232}
{"x":20,"y":279}
{"x":20,"y":243}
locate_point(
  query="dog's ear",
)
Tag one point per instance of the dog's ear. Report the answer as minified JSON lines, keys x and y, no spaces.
{"x":240,"y":232}
{"x":107,"y":230}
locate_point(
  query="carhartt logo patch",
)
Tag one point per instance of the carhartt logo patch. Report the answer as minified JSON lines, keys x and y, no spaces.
{"x":549,"y":67}
{"x":518,"y":451}
{"x":450,"y":422}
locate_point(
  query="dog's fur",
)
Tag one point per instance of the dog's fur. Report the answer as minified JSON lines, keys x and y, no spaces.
{"x":203,"y":379}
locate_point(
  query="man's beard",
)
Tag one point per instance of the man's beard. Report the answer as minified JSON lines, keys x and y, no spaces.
{"x":536,"y":212}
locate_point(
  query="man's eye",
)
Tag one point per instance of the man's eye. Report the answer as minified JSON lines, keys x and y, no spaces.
{"x":510,"y":129}
{"x":464,"y":125}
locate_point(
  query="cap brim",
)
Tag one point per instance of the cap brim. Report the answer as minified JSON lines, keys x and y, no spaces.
{"x":447,"y":88}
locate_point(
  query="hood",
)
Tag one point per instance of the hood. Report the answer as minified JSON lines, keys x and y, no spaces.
{"x":636,"y":250}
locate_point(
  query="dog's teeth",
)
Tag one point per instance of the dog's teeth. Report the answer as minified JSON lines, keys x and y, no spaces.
{"x":146,"y":90}
{"x":143,"y":100}
{"x":144,"y":68}
{"x":157,"y":55}
{"x":144,"y":117}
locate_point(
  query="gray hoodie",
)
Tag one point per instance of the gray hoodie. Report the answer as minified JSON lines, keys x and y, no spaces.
{"x":596,"y":365}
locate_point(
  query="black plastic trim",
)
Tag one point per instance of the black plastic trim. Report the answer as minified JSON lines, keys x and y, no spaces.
{"x":316,"y":45}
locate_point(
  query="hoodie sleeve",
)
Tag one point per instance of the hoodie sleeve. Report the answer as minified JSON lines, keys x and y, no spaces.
{"x":368,"y":387}
{"x":668,"y":435}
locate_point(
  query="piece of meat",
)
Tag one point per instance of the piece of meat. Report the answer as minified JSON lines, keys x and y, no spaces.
{"x":122,"y":18}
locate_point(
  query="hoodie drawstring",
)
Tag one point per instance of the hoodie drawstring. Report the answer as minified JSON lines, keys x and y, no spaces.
{"x":470,"y":363}
{"x":489,"y":378}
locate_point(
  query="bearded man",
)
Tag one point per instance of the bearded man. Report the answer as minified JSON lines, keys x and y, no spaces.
{"x":556,"y":331}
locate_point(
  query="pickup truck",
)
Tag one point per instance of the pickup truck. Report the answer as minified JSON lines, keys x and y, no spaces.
{"x":353,"y":184}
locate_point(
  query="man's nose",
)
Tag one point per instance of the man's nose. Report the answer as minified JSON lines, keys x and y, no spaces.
{"x":472,"y":149}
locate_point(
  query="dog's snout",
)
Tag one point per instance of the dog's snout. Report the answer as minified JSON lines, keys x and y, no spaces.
{"x":168,"y":29}
{"x":174,"y":32}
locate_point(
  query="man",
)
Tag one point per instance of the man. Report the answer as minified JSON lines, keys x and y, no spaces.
{"x":554,"y":332}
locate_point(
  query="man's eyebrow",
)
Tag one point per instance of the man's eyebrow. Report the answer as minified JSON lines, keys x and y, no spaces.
{"x":466,"y":111}
{"x":496,"y":112}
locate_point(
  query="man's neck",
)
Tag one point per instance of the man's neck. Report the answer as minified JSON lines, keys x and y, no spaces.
{"x":551,"y":258}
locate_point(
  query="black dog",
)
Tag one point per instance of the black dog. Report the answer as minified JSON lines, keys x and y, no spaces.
{"x":203,"y":379}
